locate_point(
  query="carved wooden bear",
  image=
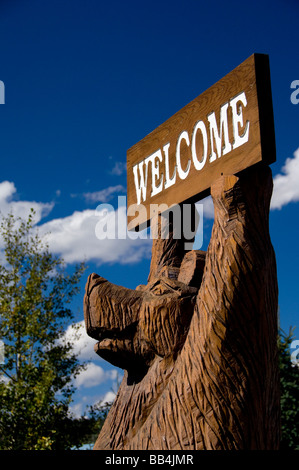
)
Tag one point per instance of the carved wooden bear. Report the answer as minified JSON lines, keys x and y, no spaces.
{"x":199,"y":342}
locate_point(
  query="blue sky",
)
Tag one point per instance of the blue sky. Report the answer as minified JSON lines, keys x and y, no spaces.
{"x":84,"y":81}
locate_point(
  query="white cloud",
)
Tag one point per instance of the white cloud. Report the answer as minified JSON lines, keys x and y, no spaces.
{"x":7,"y":189}
{"x":119,"y":168}
{"x":78,"y":409}
{"x":91,"y":376}
{"x":83,"y":344}
{"x":94,"y":375}
{"x":20,"y":208}
{"x":104,"y":195}
{"x":74,"y":238}
{"x":208,"y":207}
{"x":286,"y":186}
{"x":109,"y":397}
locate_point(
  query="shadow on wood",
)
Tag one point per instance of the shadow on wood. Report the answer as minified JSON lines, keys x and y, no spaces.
{"x":199,"y":342}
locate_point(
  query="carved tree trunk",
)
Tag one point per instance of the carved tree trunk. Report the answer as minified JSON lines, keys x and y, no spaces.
{"x":204,"y":335}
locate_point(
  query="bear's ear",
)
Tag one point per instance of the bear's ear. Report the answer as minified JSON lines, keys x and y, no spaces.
{"x":192,"y":268}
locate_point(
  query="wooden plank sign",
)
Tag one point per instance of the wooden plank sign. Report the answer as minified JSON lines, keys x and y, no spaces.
{"x":226,"y":129}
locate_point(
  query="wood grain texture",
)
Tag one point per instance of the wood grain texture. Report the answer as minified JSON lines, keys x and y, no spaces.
{"x":252,"y":77}
{"x":199,"y":351}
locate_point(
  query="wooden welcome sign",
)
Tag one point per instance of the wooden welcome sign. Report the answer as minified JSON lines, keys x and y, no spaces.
{"x":225,"y":130}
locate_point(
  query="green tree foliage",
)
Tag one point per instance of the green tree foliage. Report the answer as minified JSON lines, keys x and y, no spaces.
{"x":289,"y":389}
{"x":36,"y":385}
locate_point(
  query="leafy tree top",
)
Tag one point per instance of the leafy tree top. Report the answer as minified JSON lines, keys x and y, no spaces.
{"x":35,"y":295}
